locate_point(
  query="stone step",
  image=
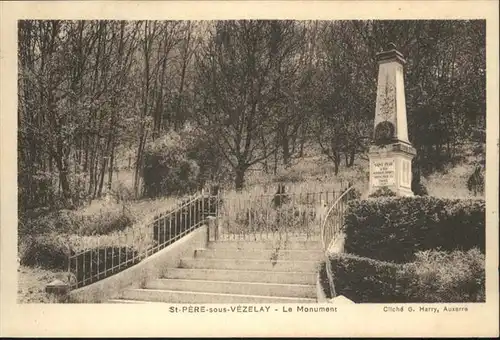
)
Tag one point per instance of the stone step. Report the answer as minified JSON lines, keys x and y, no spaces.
{"x":262,"y":254}
{"x":171,"y":296}
{"x":235,"y":287}
{"x":242,"y":275}
{"x":241,"y":264}
{"x":268,"y":244}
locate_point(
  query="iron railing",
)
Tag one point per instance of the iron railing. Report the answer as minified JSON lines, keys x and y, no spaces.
{"x":331,"y":230}
{"x":269,"y":216}
{"x":137,"y":243}
{"x":333,"y":220}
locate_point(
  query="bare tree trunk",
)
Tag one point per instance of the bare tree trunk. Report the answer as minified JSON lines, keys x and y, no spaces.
{"x":275,"y":167}
{"x":111,"y":164}
{"x":101,"y":176}
{"x":352,"y":157}
{"x":239,"y":177}
{"x":285,"y":145}
{"x":138,"y":163}
{"x":336,"y":165}
{"x":302,"y":141}
{"x":185,"y":59}
{"x":148,"y":35}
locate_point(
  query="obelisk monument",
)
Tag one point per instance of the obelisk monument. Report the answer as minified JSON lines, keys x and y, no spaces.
{"x":391,"y":152}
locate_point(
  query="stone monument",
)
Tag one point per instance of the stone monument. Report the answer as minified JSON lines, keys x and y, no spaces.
{"x":391,"y":152}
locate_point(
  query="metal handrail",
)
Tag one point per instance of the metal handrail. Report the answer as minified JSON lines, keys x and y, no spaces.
{"x":328,"y":269}
{"x":150,"y":223}
{"x":325,"y":247}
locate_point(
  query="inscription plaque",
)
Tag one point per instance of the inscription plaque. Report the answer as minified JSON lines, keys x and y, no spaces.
{"x":383,"y":172}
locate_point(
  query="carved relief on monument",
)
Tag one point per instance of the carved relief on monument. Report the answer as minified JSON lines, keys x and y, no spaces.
{"x":385,"y":133}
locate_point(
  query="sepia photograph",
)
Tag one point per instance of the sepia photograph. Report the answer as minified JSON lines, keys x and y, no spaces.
{"x":243,"y":161}
{"x":254,"y":165}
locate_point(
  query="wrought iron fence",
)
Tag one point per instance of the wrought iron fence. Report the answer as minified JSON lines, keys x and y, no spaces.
{"x":111,"y":255}
{"x":268,"y":216}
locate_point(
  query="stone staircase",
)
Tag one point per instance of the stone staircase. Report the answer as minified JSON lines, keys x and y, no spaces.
{"x":271,"y":271}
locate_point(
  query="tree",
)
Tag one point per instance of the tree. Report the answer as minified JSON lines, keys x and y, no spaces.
{"x":242,"y":79}
{"x":343,"y":95}
{"x":444,"y":83}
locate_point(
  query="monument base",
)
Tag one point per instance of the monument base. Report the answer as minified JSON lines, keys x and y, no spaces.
{"x":390,"y":166}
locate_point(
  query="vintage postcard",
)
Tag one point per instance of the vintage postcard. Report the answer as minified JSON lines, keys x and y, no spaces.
{"x":249,"y":168}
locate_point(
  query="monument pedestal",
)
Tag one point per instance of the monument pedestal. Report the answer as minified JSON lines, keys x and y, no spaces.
{"x":390,"y":166}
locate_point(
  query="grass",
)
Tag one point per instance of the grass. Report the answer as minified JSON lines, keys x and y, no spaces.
{"x":311,"y":174}
{"x":32,"y":282}
{"x":138,"y":234}
{"x":452,"y":183}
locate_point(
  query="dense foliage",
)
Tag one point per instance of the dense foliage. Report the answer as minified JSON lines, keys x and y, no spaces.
{"x":394,"y":229}
{"x":167,"y":168}
{"x":382,"y":192}
{"x":433,"y":276}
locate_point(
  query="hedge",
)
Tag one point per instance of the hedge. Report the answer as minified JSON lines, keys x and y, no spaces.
{"x":362,"y":279}
{"x":434,"y":277}
{"x":394,"y":229}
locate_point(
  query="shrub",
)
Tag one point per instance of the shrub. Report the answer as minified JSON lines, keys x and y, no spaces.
{"x":110,"y":217}
{"x":448,"y":276}
{"x":475,"y":182}
{"x":419,"y":189}
{"x":394,"y":229}
{"x":105,"y":221}
{"x":255,"y":217}
{"x":43,"y":251}
{"x":167,"y":168}
{"x":382,"y":192}
{"x":434,"y":277}
{"x":42,"y":222}
{"x":362,"y":279}
{"x":202,"y":147}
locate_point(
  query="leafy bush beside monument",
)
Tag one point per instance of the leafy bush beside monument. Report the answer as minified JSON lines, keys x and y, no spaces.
{"x":394,"y":229}
{"x":412,"y":249}
{"x":434,"y":276}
